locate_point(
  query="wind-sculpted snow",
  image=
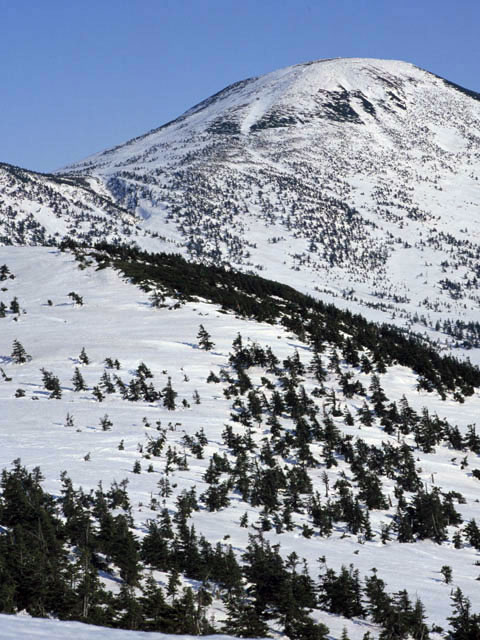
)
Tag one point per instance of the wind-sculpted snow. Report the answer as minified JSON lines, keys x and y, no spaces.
{"x":353,"y":179}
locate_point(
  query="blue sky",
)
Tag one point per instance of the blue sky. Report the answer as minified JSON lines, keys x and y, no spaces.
{"x":79,"y":77}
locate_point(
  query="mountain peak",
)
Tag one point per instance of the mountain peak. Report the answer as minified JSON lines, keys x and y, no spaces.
{"x":328,"y":175}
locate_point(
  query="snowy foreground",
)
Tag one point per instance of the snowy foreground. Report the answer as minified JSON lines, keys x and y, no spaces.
{"x":17,"y":628}
{"x":118,"y":321}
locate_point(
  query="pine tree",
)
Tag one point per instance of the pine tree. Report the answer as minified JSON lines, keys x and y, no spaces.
{"x":84,"y":359}
{"x":143,"y":371}
{"x":106,"y":423}
{"x":76,"y":298}
{"x":78,"y":381}
{"x":15,"y":306}
{"x":157,"y":614}
{"x":19,"y":355}
{"x":174,"y":583}
{"x":243,"y":619}
{"x":378,"y":601}
{"x":97,"y":393}
{"x":464,"y":624}
{"x":204,"y":341}
{"x":52,"y":384}
{"x":157,"y":299}
{"x":106,"y":383}
{"x":4,"y":272}
{"x":447,"y":573}
{"x":169,"y":396}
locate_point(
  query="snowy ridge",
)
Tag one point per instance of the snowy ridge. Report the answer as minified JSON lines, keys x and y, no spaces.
{"x":39,"y":209}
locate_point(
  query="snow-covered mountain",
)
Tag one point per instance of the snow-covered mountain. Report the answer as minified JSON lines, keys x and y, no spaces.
{"x":204,"y":434}
{"x":352,"y":178}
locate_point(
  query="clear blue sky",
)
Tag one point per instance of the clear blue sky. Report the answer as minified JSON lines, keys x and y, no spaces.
{"x":81,"y":76}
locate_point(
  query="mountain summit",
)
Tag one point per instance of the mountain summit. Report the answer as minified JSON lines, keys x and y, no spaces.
{"x":333,"y":176}
{"x":351,"y":179}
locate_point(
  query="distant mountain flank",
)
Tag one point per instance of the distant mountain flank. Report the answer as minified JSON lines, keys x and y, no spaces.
{"x":42,"y":209}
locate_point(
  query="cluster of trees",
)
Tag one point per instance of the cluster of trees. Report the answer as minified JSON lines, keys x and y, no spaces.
{"x":14,"y":307}
{"x":138,"y":388}
{"x":278,"y":421}
{"x":5,"y":273}
{"x":309,"y":319}
{"x":53,"y":549}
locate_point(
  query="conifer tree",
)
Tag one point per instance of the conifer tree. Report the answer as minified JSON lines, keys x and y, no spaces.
{"x":204,"y":341}
{"x":174,"y":583}
{"x":19,"y":355}
{"x":157,"y":299}
{"x":157,"y":615}
{"x":15,"y":306}
{"x":76,"y":298}
{"x":106,"y":423}
{"x":52,"y":384}
{"x":106,"y":383}
{"x":97,"y":393}
{"x":78,"y":381}
{"x":84,"y":359}
{"x":169,"y":396}
{"x":4,"y":272}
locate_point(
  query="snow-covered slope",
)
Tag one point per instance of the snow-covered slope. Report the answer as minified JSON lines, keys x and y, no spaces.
{"x":39,"y":209}
{"x":24,"y":628}
{"x":351,"y":178}
{"x":117,"y":321}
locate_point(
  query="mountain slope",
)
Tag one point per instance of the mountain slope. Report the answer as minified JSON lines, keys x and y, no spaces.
{"x":350,"y":178}
{"x":276,"y":447}
{"x":42,"y":209}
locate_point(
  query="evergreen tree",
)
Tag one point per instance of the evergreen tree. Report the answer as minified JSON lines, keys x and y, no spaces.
{"x":15,"y":306}
{"x":447,"y":573}
{"x":76,"y":299}
{"x":157,"y":615}
{"x":106,"y":383}
{"x":83,"y":358}
{"x":4,"y":272}
{"x":169,"y":396}
{"x":203,"y":338}
{"x":243,"y":619}
{"x":78,"y":381}
{"x":97,"y":393}
{"x":52,"y":384}
{"x":464,"y":624}
{"x":19,"y":355}
{"x":106,"y":423}
{"x":157,"y":299}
